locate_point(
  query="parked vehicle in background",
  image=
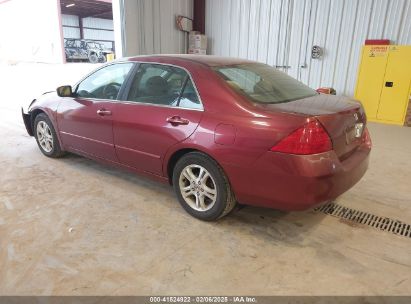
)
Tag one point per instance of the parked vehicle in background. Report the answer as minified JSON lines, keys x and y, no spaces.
{"x":79,"y":49}
{"x":220,"y":130}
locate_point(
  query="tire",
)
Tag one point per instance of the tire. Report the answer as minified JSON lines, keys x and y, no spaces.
{"x":92,"y":58}
{"x":46,"y":137}
{"x":209,"y":199}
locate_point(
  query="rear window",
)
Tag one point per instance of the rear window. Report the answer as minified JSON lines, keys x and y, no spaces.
{"x":263,"y":83}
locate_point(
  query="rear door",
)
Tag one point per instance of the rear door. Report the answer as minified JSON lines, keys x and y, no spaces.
{"x":161,"y":108}
{"x":85,"y":121}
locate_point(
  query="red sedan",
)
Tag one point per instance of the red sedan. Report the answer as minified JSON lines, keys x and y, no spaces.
{"x":220,"y":130}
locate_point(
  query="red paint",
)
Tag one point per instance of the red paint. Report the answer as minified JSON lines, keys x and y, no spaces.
{"x":377,"y":42}
{"x":326,"y":90}
{"x":224,"y":134}
{"x":146,"y":135}
{"x":81,"y":128}
{"x":235,"y":132}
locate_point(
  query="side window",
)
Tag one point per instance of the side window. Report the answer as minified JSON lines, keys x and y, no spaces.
{"x":189,"y":98}
{"x":163,"y":85}
{"x":104,"y":83}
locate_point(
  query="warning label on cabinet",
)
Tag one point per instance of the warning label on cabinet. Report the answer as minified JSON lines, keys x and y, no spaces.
{"x":378,"y":51}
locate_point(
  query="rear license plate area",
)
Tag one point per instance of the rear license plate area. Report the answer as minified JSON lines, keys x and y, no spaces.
{"x":354,"y":133}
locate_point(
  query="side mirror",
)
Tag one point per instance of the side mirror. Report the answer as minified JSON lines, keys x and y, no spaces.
{"x":64,"y":91}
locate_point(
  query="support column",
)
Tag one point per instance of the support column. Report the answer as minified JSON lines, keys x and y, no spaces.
{"x":199,"y":15}
{"x":80,"y":24}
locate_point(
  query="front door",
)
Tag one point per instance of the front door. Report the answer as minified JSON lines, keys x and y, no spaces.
{"x":85,"y":121}
{"x":162,"y":108}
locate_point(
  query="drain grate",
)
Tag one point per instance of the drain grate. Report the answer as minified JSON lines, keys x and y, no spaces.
{"x":360,"y":217}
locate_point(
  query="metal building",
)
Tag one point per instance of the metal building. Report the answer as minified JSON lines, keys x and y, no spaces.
{"x":282,"y":33}
{"x":149,"y":26}
{"x":94,"y":29}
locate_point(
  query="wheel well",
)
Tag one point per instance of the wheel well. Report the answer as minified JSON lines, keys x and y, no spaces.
{"x":33,"y":117}
{"x":173,"y":161}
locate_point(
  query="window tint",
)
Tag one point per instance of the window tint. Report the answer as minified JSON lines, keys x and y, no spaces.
{"x":263,"y":83}
{"x":163,"y":85}
{"x":104,"y":83}
{"x":189,"y":98}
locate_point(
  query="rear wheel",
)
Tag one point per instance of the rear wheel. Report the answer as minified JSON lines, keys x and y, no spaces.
{"x":46,"y":137}
{"x":202,"y":188}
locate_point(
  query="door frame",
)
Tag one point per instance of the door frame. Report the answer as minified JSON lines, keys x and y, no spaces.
{"x":123,"y":94}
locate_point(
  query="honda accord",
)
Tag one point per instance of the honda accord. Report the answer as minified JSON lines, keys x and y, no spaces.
{"x":219,"y":130}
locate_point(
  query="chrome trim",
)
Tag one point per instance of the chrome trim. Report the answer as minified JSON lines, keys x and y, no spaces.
{"x":157,"y":105}
{"x":138,"y":151}
{"x":82,"y":137}
{"x":116,"y":101}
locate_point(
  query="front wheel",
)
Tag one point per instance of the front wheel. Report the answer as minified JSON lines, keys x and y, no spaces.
{"x":46,"y":137}
{"x":202,"y":188}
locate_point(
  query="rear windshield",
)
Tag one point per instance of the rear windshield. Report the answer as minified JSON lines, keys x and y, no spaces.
{"x":263,"y":83}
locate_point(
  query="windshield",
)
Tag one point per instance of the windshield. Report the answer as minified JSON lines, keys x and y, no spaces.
{"x":263,"y":83}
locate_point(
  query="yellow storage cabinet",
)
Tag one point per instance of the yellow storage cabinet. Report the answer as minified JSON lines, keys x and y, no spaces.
{"x":384,"y":82}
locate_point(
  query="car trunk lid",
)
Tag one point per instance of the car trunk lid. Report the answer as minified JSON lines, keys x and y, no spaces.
{"x":343,"y":118}
{"x":345,"y":129}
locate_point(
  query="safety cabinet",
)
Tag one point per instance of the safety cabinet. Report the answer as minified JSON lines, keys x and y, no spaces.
{"x":384,"y":82}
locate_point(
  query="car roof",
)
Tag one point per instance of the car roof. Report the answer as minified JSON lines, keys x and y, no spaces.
{"x":209,"y":60}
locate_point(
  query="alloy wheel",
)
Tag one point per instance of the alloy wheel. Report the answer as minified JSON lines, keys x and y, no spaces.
{"x":198,"y":187}
{"x":44,"y":136}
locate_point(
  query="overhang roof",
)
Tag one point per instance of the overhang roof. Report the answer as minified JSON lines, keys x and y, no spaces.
{"x":87,"y":8}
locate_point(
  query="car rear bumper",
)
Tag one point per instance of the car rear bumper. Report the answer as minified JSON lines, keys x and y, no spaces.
{"x":297,"y":182}
{"x":27,"y":122}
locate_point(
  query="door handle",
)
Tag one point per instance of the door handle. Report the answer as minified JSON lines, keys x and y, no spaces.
{"x":103,"y":112}
{"x":177,"y":120}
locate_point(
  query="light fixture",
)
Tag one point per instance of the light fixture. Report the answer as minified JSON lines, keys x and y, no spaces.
{"x":70,"y":5}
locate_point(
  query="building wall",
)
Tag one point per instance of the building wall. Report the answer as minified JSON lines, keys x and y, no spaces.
{"x":71,"y":26}
{"x":282,"y":32}
{"x":20,"y":24}
{"x":149,"y":27}
{"x":96,"y":29}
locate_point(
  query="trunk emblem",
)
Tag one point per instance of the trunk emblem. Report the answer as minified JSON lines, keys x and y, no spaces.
{"x":356,"y":116}
{"x":354,"y":132}
{"x":358,"y":129}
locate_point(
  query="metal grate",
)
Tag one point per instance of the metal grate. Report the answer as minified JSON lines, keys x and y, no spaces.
{"x":360,"y":217}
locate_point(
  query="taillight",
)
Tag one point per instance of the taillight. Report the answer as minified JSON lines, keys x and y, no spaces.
{"x":309,"y":139}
